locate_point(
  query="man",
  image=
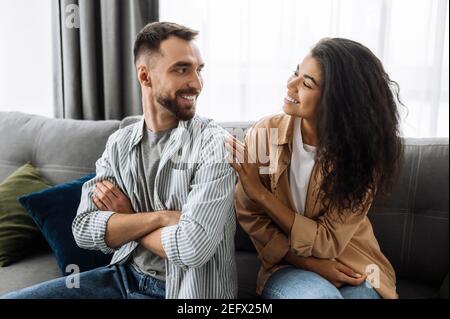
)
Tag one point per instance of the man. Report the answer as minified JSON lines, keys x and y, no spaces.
{"x":162,"y":198}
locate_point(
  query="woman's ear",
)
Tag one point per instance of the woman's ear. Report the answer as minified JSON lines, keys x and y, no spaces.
{"x":144,"y":76}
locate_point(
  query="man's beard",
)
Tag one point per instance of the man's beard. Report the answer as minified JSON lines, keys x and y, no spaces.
{"x":180,"y":112}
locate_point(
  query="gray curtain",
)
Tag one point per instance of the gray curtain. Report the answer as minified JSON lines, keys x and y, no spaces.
{"x":94,"y":73}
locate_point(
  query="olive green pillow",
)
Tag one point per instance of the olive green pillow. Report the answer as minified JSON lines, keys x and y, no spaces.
{"x":19,"y":235}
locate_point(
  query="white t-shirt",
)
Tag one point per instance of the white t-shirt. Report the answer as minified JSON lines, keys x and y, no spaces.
{"x":302,"y":163}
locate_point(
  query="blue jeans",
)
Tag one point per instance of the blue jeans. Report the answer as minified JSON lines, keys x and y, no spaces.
{"x":294,"y":283}
{"x":111,"y":282}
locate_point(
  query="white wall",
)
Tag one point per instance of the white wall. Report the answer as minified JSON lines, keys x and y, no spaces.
{"x":251,"y":47}
{"x":25,"y":56}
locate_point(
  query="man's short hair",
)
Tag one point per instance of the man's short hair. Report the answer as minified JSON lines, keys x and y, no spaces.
{"x":149,"y":39}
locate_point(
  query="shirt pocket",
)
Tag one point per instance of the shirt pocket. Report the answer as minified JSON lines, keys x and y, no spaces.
{"x":179,"y":185}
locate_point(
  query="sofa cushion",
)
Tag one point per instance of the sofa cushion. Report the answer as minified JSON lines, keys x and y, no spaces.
{"x":248,"y":265}
{"x":32,"y":270}
{"x":408,"y":288}
{"x":53,"y":209}
{"x":19,"y":235}
{"x":242,"y":241}
{"x":411,"y":225}
{"x":443,"y":290}
{"x":60,"y":149}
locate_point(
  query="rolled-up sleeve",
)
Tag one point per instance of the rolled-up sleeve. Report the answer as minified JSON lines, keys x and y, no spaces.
{"x":89,"y":225}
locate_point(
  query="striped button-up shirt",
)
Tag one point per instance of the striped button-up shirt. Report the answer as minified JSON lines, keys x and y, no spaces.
{"x":194,"y":177}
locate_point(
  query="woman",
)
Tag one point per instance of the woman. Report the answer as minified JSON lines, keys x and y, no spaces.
{"x":305,"y":208}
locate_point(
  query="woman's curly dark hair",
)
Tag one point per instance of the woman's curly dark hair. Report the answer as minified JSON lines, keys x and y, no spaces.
{"x":359,"y":147}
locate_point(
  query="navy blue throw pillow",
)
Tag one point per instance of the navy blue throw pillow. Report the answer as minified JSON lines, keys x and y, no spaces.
{"x":53,"y":210}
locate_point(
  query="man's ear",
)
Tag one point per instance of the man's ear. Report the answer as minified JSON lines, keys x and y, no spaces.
{"x":144,"y":76}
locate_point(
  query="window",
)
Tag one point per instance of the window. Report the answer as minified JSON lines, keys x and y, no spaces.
{"x":25,"y":58}
{"x":251,"y":46}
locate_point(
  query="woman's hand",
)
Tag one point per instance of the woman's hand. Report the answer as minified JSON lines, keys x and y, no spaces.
{"x":246,"y":167}
{"x":336,"y":273}
{"x":108,"y":197}
{"x":248,"y":171}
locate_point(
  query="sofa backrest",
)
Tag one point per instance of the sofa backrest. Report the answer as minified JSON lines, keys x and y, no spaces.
{"x":411,"y":225}
{"x":61,"y":150}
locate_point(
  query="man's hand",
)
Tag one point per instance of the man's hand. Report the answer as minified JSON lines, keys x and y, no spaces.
{"x":152,"y":241}
{"x":108,"y":197}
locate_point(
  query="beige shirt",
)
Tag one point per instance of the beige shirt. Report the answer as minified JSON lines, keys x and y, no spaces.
{"x":351,"y":241}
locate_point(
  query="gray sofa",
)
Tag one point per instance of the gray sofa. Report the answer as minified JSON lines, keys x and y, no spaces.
{"x":411,"y":225}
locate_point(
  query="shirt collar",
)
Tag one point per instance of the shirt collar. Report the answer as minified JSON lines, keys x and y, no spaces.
{"x":285,"y":130}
